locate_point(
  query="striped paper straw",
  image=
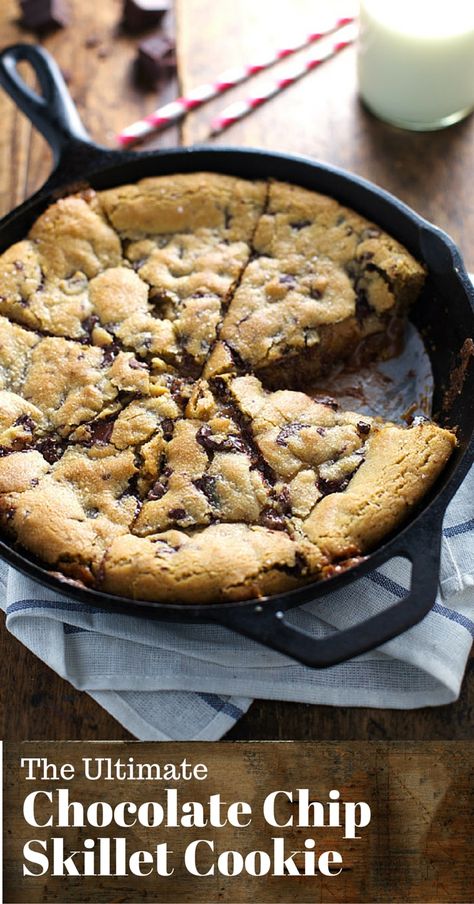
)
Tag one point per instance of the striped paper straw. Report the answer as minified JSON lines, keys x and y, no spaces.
{"x":177,"y":109}
{"x":236,"y":111}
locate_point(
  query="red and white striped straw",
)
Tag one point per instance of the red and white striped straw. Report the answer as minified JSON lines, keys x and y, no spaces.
{"x":177,"y":109}
{"x":236,"y":111}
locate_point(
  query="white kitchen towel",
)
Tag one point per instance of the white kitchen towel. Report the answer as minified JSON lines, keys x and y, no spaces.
{"x":193,"y":682}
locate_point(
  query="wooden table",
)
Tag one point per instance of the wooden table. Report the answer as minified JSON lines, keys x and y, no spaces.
{"x":320,"y":116}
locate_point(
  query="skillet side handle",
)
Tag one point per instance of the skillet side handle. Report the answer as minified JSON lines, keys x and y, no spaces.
{"x":53,"y":111}
{"x":266,"y":624}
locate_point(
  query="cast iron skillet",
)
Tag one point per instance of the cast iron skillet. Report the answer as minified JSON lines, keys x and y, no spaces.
{"x":445,"y":314}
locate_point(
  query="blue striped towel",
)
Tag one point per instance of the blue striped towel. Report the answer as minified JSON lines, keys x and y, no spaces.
{"x":193,"y":682}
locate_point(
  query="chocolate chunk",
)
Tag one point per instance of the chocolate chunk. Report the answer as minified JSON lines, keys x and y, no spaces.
{"x":363,"y":428}
{"x":157,"y":491}
{"x":211,"y":443}
{"x":271,"y":519}
{"x":25,"y":421}
{"x":101,"y":431}
{"x":50,"y":449}
{"x":89,"y":323}
{"x":301,"y":224}
{"x":156,"y":57}
{"x":141,"y":14}
{"x":43,"y":15}
{"x":109,"y":352}
{"x":167,"y":427}
{"x":287,"y":280}
{"x":207,"y":484}
{"x":177,"y":514}
{"x":284,"y":501}
{"x":219,"y":386}
{"x":326,"y":487}
{"x":287,"y":431}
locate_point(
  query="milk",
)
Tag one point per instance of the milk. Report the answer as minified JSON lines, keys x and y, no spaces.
{"x":416,"y":61}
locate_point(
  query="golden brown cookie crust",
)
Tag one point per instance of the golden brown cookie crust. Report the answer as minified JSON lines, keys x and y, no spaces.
{"x":153,"y":341}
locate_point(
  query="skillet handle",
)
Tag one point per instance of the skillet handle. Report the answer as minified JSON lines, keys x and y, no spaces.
{"x":266,"y":622}
{"x":53,"y":111}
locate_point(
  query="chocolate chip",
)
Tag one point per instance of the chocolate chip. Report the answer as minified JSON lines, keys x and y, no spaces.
{"x":101,"y":431}
{"x":284,"y":501}
{"x":207,"y":484}
{"x":89,"y":323}
{"x":363,"y":428}
{"x":156,"y":57}
{"x":167,"y":427}
{"x":211,"y":443}
{"x":219,"y":386}
{"x":141,"y":14}
{"x":332,"y":486}
{"x":300,"y":224}
{"x":287,"y":280}
{"x":109,"y":352}
{"x":50,"y":449}
{"x":300,"y":563}
{"x":42,"y":15}
{"x":287,"y":431}
{"x":271,"y":519}
{"x":177,"y":514}
{"x":157,"y":491}
{"x":25,"y":421}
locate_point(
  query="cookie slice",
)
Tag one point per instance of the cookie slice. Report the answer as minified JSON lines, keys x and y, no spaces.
{"x":189,"y":237}
{"x":218,"y":563}
{"x":45,"y":278}
{"x":67,"y":382}
{"x":325,"y":283}
{"x":67,"y":512}
{"x":209,"y":476}
{"x":349,"y":480}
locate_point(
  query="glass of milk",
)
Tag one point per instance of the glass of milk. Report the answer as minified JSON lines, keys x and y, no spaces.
{"x":416,"y":61}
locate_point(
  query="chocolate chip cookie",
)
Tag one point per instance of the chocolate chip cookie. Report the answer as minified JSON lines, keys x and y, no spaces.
{"x":158,"y":436}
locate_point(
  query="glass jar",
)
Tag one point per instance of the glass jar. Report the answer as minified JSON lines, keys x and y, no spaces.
{"x":416,"y":61}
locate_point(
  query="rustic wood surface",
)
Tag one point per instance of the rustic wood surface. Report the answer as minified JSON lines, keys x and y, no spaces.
{"x":321,"y":117}
{"x":415,"y":849}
